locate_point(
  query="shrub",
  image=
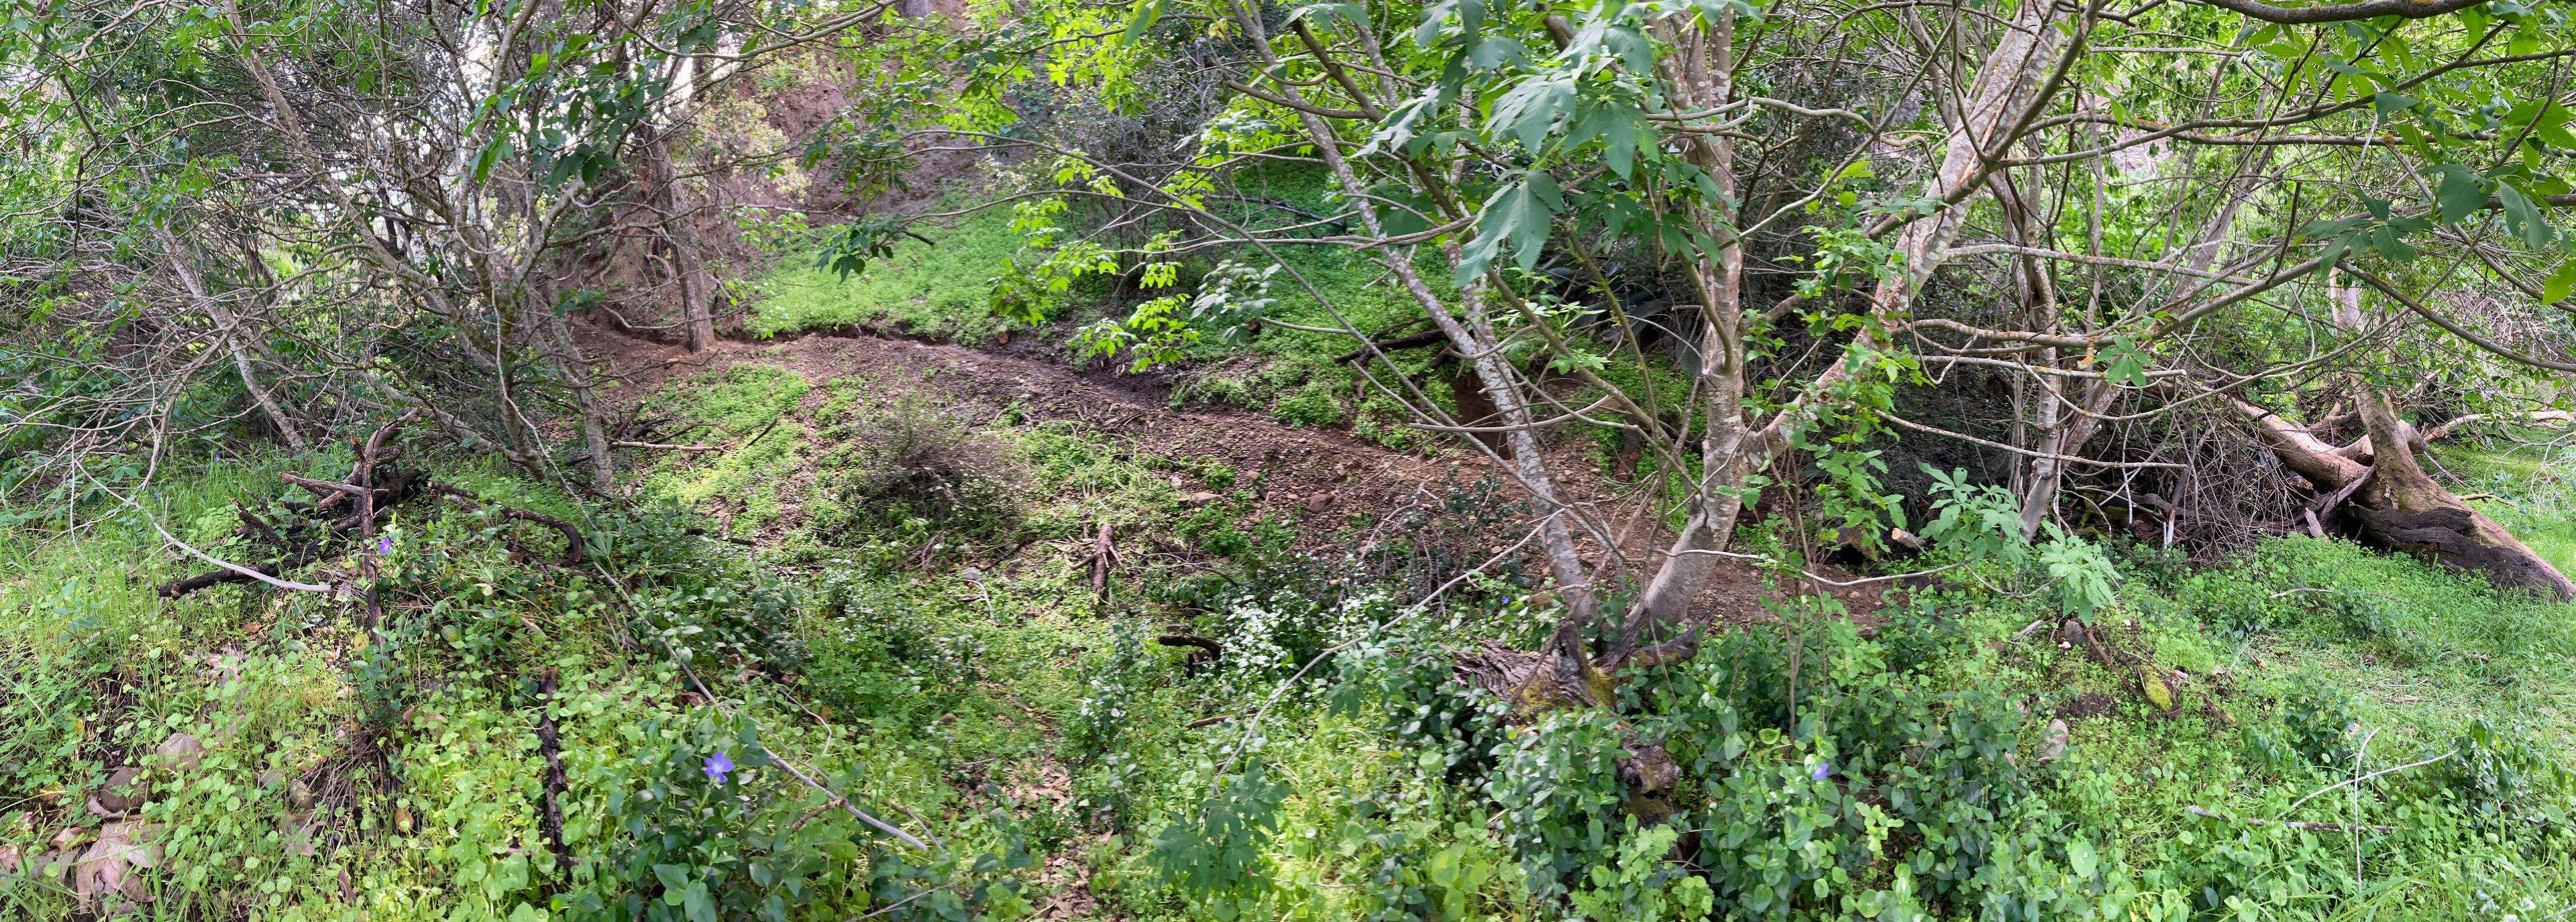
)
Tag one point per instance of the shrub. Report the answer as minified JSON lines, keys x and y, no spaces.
{"x":918,"y":474}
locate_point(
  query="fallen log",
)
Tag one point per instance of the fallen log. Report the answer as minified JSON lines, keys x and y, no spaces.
{"x":2381,"y":495}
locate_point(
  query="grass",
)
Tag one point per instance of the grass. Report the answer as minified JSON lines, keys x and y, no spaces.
{"x":937,"y":289}
{"x":985,"y":695}
{"x":942,"y":290}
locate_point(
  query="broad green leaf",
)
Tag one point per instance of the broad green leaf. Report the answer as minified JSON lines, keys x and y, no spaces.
{"x":2127,"y":366}
{"x":1147,"y":13}
{"x":2461,"y":193}
{"x":1521,"y":214}
{"x":1532,"y":106}
{"x":2560,"y":283}
{"x":2524,"y":218}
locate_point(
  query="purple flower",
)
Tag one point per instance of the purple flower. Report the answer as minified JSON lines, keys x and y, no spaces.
{"x":1822,"y":769}
{"x":384,"y":545}
{"x":717,"y":766}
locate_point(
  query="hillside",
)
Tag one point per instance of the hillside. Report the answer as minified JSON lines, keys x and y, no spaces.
{"x":968,"y":461}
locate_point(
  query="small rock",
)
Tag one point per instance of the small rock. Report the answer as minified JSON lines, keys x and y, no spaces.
{"x":1318,"y":503}
{"x":123,"y":791}
{"x":2154,"y":687}
{"x":2053,"y":744}
{"x":181,"y":752}
{"x":1200,"y":498}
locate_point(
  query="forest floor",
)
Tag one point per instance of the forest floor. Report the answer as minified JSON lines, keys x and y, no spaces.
{"x":1246,"y":703}
{"x":1325,"y":477}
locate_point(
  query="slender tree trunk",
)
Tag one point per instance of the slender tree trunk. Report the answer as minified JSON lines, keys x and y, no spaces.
{"x":1706,"y":77}
{"x":2006,"y":84}
{"x":228,"y":329}
{"x":576,"y":378}
{"x":697,"y":314}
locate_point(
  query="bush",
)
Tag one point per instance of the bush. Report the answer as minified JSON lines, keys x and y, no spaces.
{"x":918,"y":477}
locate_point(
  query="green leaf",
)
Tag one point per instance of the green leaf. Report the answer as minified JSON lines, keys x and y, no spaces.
{"x":699,"y":904}
{"x":1146,"y":14}
{"x":1498,"y":53}
{"x":2386,"y":240}
{"x":2385,"y":103}
{"x":2560,"y":283}
{"x":490,"y":156}
{"x":1530,"y":109}
{"x":1522,"y":214}
{"x":2523,"y":217}
{"x":2128,"y":366}
{"x":2461,"y":194}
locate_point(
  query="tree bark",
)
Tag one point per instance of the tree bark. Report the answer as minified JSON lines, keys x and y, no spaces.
{"x":688,"y":265}
{"x":228,"y":329}
{"x":576,"y":377}
{"x":2008,"y":83}
{"x":2399,"y":507}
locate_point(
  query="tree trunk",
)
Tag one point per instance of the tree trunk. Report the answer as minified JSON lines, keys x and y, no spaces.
{"x":688,"y":264}
{"x":576,"y":377}
{"x":2006,"y":84}
{"x":228,"y":329}
{"x":2394,"y":505}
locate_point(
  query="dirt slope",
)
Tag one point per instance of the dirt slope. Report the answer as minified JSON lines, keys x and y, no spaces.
{"x":1321,"y":472}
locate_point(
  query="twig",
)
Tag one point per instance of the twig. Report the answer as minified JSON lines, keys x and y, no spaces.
{"x":2294,"y":824}
{"x":201,"y":555}
{"x":1101,"y":550}
{"x":2367,"y":777}
{"x":657,"y":446}
{"x":572,"y":536}
{"x":1769,"y":560}
{"x":552,"y":747}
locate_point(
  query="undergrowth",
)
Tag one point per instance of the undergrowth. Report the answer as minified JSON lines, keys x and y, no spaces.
{"x":1049,"y":751}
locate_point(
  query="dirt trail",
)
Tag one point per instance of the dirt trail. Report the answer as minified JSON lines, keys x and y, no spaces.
{"x":1322,"y":473}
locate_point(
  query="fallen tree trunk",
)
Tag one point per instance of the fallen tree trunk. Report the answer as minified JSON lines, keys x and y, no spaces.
{"x":2385,"y":498}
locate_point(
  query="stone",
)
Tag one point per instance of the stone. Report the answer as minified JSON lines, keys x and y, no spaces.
{"x":181,"y":752}
{"x":124,"y":790}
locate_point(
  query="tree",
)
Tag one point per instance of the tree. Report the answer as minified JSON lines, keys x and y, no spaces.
{"x":2153,"y":195}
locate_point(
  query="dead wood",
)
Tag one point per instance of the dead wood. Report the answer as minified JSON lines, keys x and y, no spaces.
{"x":2382,"y":496}
{"x":1103,"y":553}
{"x":1213,"y":648}
{"x":1398,"y":344}
{"x":552,"y":747}
{"x":180,"y":587}
{"x":347,"y":509}
{"x":571,"y":534}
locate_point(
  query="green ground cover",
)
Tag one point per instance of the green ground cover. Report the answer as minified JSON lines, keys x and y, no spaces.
{"x":1952,"y":762}
{"x":943,"y":289}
